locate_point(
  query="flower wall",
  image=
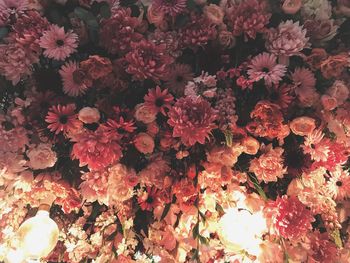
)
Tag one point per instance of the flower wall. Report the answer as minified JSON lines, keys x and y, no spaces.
{"x":178,"y":131}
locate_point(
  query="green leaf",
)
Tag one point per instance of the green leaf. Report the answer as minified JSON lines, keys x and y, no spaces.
{"x":105,"y":11}
{"x":228,"y":138}
{"x":257,"y":186}
{"x":335,"y":234}
{"x":3,"y":32}
{"x":203,"y":240}
{"x":219,"y":209}
{"x":195,"y":231}
{"x":84,"y":14}
{"x":165,"y":211}
{"x":202,"y":216}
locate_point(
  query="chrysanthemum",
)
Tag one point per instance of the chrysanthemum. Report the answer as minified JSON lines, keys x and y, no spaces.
{"x":96,"y":149}
{"x":291,"y":219}
{"x":73,"y":79}
{"x":172,"y":7}
{"x":62,"y":118}
{"x":149,"y":199}
{"x":192,"y":119}
{"x":58,"y":44}
{"x":288,"y":39}
{"x":11,"y":7}
{"x":339,"y":184}
{"x":179,"y":75}
{"x":158,"y":100}
{"x":148,"y":61}
{"x":264,"y":66}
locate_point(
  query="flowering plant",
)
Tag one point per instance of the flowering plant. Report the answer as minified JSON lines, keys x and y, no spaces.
{"x":178,"y":131}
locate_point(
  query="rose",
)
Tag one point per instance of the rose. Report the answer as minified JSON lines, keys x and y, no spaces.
{"x":339,"y":91}
{"x":328,"y":102}
{"x":144,"y":143}
{"x":226,"y":39}
{"x":41,"y":156}
{"x":321,"y":30}
{"x":290,"y":7}
{"x":214,"y":14}
{"x":251,"y":145}
{"x":154,"y":15}
{"x":302,"y":125}
{"x":333,"y":66}
{"x":89,"y":115}
{"x":145,"y":114}
{"x":96,"y":67}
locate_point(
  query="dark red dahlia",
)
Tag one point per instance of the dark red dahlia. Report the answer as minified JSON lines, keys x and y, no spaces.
{"x":148,"y":60}
{"x":291,"y":219}
{"x":192,"y":119}
{"x":249,"y":17}
{"x":118,"y":32}
{"x":197,"y":32}
{"x":97,"y":149}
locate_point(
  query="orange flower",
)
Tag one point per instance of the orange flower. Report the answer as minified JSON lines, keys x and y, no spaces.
{"x":302,"y":126}
{"x":334,"y":66}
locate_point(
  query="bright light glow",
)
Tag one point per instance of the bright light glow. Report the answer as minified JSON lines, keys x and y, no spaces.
{"x":241,"y":230}
{"x":14,"y":256}
{"x":38,"y":236}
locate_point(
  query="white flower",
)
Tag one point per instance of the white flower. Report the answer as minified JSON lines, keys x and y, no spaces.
{"x":316,"y":9}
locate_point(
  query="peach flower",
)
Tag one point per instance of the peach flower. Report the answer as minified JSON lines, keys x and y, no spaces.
{"x":41,"y":156}
{"x":144,"y":143}
{"x":251,"y":145}
{"x":302,"y":125}
{"x":89,"y":115}
{"x":291,"y":7}
{"x":145,"y":114}
{"x":328,"y":102}
{"x":214,"y":14}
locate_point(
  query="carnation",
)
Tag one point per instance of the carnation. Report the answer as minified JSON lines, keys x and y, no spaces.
{"x":269,"y":166}
{"x":192,"y":119}
{"x":41,"y":156}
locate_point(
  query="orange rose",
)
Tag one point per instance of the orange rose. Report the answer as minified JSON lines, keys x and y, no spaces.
{"x":302,"y":126}
{"x":334,"y":66}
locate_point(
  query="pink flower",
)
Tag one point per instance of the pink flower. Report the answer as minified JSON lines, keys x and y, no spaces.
{"x":214,"y":14}
{"x":291,"y":7}
{"x":154,"y":15}
{"x":73,"y":79}
{"x":264,"y":66}
{"x":192,"y":119}
{"x":329,"y":103}
{"x":118,"y":31}
{"x":11,"y":7}
{"x":249,"y":18}
{"x":158,"y":100}
{"x":302,"y":125}
{"x":145,"y":114}
{"x":290,"y":218}
{"x":178,"y":76}
{"x":269,"y":166}
{"x":58,"y":44}
{"x":322,"y":249}
{"x":339,"y":184}
{"x":41,"y":156}
{"x":62,"y":119}
{"x":94,"y":186}
{"x":339,"y":91}
{"x":149,"y":199}
{"x":304,"y":81}
{"x":89,"y":115}
{"x":288,"y":39}
{"x":148,"y":61}
{"x":96,"y":149}
{"x":144,"y":143}
{"x":173,"y":7}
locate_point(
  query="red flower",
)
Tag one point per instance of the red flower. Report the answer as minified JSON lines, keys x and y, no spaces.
{"x":148,"y":60}
{"x":291,"y":219}
{"x":322,"y":249}
{"x":97,"y":149}
{"x":158,"y":99}
{"x":118,"y":31}
{"x":192,"y":119}
{"x":120,"y":127}
{"x":62,"y":119}
{"x":149,"y":199}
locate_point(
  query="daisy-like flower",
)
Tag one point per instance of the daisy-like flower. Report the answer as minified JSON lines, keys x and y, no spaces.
{"x":73,"y":79}
{"x":57,"y":43}
{"x":172,"y":7}
{"x":281,"y":95}
{"x":304,"y":82}
{"x":62,"y":118}
{"x":149,"y":198}
{"x":121,"y":127}
{"x":264,"y":66}
{"x":158,"y":100}
{"x":339,"y":184}
{"x":179,"y":75}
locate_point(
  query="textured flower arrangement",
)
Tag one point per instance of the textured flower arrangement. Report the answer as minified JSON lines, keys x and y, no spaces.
{"x":178,"y":131}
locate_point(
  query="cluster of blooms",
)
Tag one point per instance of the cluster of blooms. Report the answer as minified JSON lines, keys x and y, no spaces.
{"x":178,"y":131}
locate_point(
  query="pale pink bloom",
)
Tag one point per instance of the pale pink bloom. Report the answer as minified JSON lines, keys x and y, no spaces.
{"x":339,"y":184}
{"x":264,"y":66}
{"x":145,"y":114}
{"x":313,"y":146}
{"x":269,"y":166}
{"x":291,"y":7}
{"x":89,"y":115}
{"x":339,"y":91}
{"x":155,"y":173}
{"x":41,"y":156}
{"x":144,"y":143}
{"x":214,"y":14}
{"x":302,"y":125}
{"x":329,"y":103}
{"x":94,"y":186}
{"x":57,"y":43}
{"x":73,"y":79}
{"x":270,"y":252}
{"x":11,"y":7}
{"x":224,"y":155}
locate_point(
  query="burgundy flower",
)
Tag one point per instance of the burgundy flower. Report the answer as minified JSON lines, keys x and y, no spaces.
{"x":118,"y":32}
{"x":192,"y":119}
{"x":149,"y":199}
{"x":197,"y":32}
{"x":291,"y":219}
{"x":148,"y":60}
{"x":96,"y":149}
{"x":158,"y":99}
{"x":172,"y":7}
{"x":249,"y":18}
